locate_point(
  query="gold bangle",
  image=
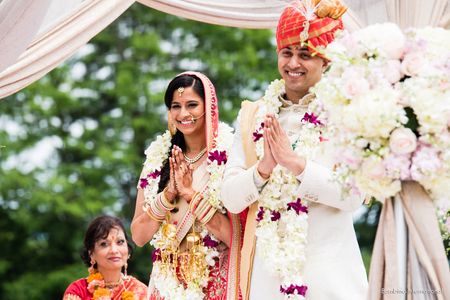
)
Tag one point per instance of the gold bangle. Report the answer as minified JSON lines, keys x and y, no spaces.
{"x":201,"y":207}
{"x":166,"y":204}
{"x":147,"y":210}
{"x":193,"y":204}
{"x":194,"y":196}
{"x":202,"y":214}
{"x":166,"y":190}
{"x":208,"y":216}
{"x":156,"y":209}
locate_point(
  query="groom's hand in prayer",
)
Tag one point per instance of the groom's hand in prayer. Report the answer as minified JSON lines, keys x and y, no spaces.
{"x":281,"y":147}
{"x":267,"y":163}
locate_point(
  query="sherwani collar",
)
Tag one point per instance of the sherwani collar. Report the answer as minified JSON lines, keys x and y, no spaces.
{"x":303,"y":103}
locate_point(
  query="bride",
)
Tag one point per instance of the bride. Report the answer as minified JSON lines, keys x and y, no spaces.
{"x":178,"y":207}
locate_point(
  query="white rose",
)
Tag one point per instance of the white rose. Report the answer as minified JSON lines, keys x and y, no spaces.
{"x":412,"y":63}
{"x":373,"y":168}
{"x":402,"y":141}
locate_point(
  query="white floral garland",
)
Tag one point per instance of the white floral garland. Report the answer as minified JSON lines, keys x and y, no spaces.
{"x":282,"y":217}
{"x":167,"y":284}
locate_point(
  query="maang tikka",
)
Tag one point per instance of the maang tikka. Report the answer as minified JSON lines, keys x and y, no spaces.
{"x":180,"y":91}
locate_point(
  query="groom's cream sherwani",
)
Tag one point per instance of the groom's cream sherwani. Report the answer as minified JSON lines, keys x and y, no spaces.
{"x":334,"y":268}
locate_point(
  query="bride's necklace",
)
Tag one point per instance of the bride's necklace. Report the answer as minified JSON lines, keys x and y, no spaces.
{"x":195,"y":158}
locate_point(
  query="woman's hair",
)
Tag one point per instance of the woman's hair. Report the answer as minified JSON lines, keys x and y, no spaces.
{"x":178,"y":138}
{"x":98,"y":229}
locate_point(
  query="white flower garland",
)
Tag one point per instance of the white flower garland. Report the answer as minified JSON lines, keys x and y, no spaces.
{"x":282,"y":217}
{"x":167,"y":284}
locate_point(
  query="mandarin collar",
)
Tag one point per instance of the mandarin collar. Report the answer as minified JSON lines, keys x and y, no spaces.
{"x":304,"y":101}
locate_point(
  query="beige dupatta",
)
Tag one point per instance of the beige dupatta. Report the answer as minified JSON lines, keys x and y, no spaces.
{"x":248,"y":113}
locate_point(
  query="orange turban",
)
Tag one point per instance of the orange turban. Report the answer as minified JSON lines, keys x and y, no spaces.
{"x":312,"y":21}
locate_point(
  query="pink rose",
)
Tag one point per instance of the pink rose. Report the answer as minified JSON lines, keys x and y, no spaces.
{"x":412,"y":63}
{"x":425,"y":161}
{"x":397,"y":166}
{"x":392,"y":71}
{"x":373,"y":167}
{"x":350,"y":157}
{"x":402,"y":141}
{"x":355,"y":86}
{"x":394,"y":49}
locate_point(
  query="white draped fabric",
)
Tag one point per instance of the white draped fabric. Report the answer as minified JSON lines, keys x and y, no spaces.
{"x":244,"y":14}
{"x":37,"y":35}
{"x":59,"y":42}
{"x":20,"y":18}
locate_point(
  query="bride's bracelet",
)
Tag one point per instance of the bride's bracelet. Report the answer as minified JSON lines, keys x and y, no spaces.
{"x":149,"y":211}
{"x":206,"y":215}
{"x":195,"y":200}
{"x":162,"y":200}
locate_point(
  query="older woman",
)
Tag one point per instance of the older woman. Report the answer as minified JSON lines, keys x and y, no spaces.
{"x":178,"y":205}
{"x":106,"y":252}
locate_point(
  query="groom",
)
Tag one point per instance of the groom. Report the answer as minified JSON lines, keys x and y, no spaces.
{"x":285,"y":189}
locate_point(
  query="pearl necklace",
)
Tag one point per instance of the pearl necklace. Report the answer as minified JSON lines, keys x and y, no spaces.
{"x":196,"y":158}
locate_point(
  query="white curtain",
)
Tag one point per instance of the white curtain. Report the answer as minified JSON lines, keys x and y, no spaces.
{"x":245,"y":14}
{"x":52,"y":47}
{"x":418,"y":13}
{"x":19,"y":23}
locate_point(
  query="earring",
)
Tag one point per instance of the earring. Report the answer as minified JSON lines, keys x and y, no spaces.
{"x":92,"y":267}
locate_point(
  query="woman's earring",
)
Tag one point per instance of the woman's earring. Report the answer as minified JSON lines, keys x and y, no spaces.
{"x":92,"y":267}
{"x":125,"y":268}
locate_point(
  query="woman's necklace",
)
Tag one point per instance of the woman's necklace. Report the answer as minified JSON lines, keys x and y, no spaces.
{"x":104,"y":291}
{"x":113,"y":285}
{"x":196,"y":158}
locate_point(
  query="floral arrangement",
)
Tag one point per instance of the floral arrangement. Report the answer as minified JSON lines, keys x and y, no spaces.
{"x":157,"y":153}
{"x":97,"y":287}
{"x":282,"y":219}
{"x":386,"y":100}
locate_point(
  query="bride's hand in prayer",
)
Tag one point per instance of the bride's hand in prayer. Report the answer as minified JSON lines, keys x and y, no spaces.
{"x":183,"y":174}
{"x":281,"y":148}
{"x":171,"y":192}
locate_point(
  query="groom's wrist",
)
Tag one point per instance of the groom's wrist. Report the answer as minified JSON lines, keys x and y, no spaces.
{"x":263,"y":171}
{"x":297,"y":166}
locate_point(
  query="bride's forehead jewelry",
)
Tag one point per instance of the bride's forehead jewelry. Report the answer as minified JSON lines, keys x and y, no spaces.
{"x":180,"y":91}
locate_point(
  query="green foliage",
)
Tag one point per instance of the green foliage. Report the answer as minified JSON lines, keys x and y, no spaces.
{"x":99,"y":111}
